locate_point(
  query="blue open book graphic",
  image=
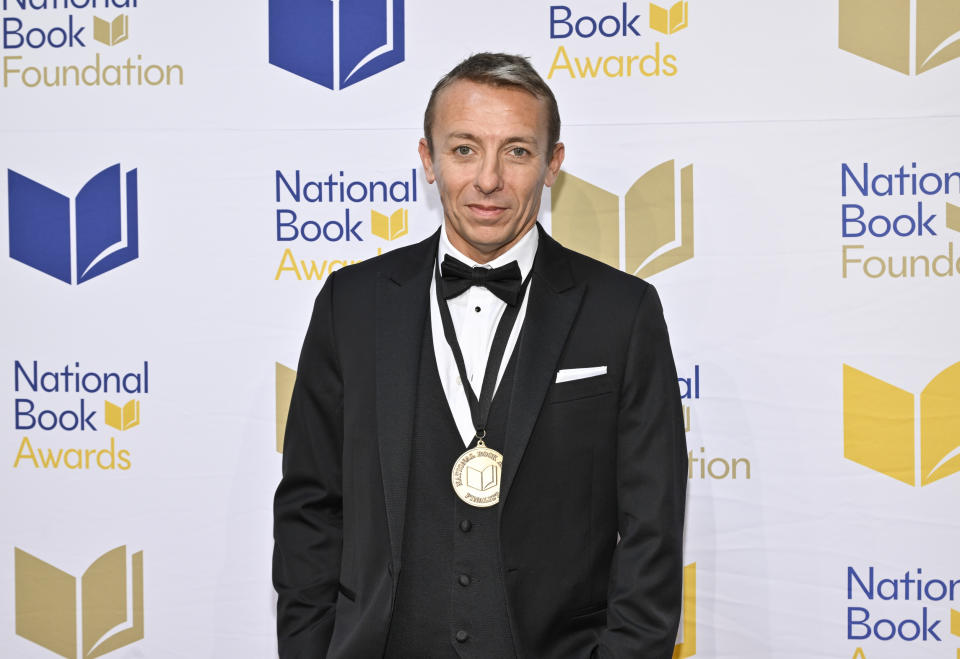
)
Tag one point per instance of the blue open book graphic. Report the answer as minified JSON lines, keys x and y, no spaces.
{"x":336,"y":43}
{"x":77,"y":239}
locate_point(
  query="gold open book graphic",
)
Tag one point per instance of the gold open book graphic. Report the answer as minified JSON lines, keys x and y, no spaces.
{"x":122,"y":418}
{"x":670,"y":20}
{"x":481,"y":479}
{"x":953,"y":216}
{"x":389,"y":227}
{"x":880,"y":31}
{"x":46,"y":607}
{"x":111,"y":32}
{"x":881,"y":430}
{"x":284,"y":378}
{"x":686,"y":645}
{"x":586,"y":218}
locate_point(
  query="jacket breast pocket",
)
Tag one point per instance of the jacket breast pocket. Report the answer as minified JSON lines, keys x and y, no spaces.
{"x":590,"y":617}
{"x":597,"y":385}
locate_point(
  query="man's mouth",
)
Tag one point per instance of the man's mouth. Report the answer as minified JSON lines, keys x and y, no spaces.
{"x":486,"y":210}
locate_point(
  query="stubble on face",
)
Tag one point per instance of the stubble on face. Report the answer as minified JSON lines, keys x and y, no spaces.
{"x":490,"y":163}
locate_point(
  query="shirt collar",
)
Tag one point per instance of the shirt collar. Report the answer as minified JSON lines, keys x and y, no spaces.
{"x":523,"y":252}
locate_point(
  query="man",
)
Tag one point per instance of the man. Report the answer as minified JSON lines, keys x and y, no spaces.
{"x":484,"y":457}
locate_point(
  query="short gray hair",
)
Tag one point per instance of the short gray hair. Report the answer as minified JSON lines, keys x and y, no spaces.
{"x":499,"y":70}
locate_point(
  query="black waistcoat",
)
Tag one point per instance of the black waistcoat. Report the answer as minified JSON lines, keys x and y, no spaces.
{"x":451,"y":600}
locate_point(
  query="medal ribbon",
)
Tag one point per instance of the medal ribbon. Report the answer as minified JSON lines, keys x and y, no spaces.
{"x":480,"y":408}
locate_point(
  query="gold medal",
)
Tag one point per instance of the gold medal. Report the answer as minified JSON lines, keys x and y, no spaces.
{"x":476,"y":476}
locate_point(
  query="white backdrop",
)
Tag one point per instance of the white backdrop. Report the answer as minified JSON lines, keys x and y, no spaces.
{"x":763,"y":105}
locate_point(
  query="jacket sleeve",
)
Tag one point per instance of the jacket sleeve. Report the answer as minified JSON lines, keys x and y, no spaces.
{"x":308,"y":514}
{"x":644,"y":594}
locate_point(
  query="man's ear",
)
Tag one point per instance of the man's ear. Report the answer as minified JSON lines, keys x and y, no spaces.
{"x":553,"y":167}
{"x":424,"y":149}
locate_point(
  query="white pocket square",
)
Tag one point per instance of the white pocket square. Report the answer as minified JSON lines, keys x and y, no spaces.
{"x":568,"y":374}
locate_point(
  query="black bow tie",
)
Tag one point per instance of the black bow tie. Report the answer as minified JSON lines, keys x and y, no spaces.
{"x":504,"y":282}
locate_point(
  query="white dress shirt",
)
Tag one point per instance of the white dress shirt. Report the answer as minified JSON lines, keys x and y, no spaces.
{"x":476,"y":314}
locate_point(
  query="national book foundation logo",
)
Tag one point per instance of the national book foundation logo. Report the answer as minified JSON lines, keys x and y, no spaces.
{"x":901,"y":611}
{"x":80,"y":618}
{"x":909,"y":36}
{"x":646,"y":231}
{"x":912,"y":438}
{"x":703,"y":464}
{"x":897,"y":221}
{"x":48,"y":43}
{"x":74,"y":239}
{"x":335,"y":43}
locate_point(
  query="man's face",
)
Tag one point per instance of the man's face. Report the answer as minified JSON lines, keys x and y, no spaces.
{"x":490,"y":163}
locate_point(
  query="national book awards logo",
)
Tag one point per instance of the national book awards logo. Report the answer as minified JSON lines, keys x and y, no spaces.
{"x":899,"y":221}
{"x":85,"y":617}
{"x":77,"y":418}
{"x":78,"y":43}
{"x":643,"y":231}
{"x":634,"y":39}
{"x":913,"y":438}
{"x":336,"y":43}
{"x":76,"y":238}
{"x":911,"y":37}
{"x":894,"y":611}
{"x":339,"y":212}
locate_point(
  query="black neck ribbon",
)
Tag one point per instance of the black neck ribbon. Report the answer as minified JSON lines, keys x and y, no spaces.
{"x":480,"y":407}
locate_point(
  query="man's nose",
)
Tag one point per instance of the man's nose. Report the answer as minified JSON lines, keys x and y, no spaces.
{"x":489,"y":178}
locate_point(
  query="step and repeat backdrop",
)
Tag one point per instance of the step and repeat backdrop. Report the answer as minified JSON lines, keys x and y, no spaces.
{"x":179,"y":178}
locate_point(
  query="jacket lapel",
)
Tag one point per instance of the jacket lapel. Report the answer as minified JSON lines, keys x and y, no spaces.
{"x":401,"y":312}
{"x":554,"y":300}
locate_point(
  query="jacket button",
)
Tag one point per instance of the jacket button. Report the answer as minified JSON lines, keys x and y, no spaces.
{"x":464,"y":580}
{"x":465,"y":525}
{"x":461,"y":636}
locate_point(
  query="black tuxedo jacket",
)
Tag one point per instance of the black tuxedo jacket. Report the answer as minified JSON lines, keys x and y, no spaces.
{"x":585,"y":461}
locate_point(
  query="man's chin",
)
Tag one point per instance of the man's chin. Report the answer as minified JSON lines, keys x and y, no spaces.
{"x":493,"y":242}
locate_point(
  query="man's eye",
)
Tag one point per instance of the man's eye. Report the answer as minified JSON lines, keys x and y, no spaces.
{"x":518,"y":151}
{"x":463,"y":150}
